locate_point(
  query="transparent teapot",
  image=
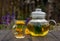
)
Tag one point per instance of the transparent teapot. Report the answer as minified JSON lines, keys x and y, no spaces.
{"x":38,"y":25}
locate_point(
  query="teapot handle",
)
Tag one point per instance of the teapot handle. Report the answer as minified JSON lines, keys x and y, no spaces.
{"x":52,"y":22}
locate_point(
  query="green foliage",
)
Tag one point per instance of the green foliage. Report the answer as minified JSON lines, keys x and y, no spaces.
{"x":20,"y":26}
{"x":37,"y":29}
{"x":1,"y":26}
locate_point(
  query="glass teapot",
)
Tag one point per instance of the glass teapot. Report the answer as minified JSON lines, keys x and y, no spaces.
{"x":38,"y":25}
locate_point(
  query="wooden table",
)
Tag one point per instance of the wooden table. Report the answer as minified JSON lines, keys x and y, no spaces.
{"x":7,"y":35}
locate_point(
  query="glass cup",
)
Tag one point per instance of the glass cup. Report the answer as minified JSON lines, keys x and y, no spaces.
{"x":18,"y":30}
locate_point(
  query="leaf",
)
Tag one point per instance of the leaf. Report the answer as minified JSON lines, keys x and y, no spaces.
{"x":38,"y":29}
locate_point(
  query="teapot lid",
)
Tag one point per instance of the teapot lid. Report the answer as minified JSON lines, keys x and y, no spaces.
{"x":37,"y":9}
{"x":38,"y":13}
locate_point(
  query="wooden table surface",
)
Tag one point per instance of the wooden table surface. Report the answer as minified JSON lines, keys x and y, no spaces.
{"x":7,"y":35}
